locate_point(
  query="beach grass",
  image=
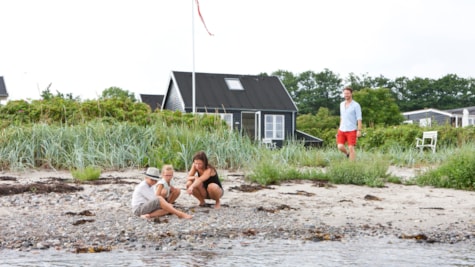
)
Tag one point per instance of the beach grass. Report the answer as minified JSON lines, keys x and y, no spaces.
{"x":112,"y":145}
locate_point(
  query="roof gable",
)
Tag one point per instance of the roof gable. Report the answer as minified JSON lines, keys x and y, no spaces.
{"x":425,"y":111}
{"x":212,"y":91}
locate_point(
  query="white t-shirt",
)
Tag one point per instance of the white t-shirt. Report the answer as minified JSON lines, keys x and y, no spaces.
{"x":165,"y":186}
{"x":143,"y":193}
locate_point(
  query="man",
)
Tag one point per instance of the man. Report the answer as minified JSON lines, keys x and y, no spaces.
{"x":146,"y":204}
{"x":350,"y":124}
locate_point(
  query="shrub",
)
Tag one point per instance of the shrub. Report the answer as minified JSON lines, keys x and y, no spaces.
{"x":90,"y":173}
{"x":457,"y":171}
{"x":359,"y":172}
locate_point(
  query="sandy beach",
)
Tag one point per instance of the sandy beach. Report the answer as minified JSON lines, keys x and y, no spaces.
{"x":99,"y":215}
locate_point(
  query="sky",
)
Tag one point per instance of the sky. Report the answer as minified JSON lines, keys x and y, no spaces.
{"x":83,"y":47}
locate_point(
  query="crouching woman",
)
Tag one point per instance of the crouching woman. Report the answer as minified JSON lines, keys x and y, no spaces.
{"x":203,"y":181}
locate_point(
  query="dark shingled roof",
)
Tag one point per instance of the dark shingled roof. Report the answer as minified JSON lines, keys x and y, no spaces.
{"x":260,"y":92}
{"x":154,"y":101}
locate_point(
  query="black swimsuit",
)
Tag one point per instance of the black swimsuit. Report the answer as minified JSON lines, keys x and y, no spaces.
{"x":212,"y":179}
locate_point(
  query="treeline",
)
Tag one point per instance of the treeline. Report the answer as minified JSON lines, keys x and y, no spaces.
{"x":314,"y":90}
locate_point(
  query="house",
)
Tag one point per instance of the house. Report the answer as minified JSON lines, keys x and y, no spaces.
{"x":459,"y":117}
{"x":258,"y":106}
{"x":3,"y":89}
{"x":154,"y":101}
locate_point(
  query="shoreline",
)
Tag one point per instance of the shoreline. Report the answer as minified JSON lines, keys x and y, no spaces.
{"x":99,"y":216}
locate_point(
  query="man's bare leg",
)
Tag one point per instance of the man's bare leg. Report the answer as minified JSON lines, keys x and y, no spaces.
{"x":352,"y":152}
{"x":342,"y":148}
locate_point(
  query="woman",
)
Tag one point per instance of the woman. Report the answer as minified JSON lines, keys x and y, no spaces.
{"x":203,"y":181}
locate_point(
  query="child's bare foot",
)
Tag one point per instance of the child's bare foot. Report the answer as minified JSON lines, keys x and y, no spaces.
{"x":217,"y":205}
{"x":146,"y":216}
{"x":185,"y":216}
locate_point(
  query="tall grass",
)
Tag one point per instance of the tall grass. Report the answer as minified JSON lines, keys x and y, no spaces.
{"x":362,"y":172}
{"x":118,"y":145}
{"x":457,"y":171}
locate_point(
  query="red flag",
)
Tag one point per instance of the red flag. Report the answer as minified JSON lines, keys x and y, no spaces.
{"x":201,"y":17}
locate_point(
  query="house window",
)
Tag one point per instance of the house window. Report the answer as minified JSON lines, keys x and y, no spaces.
{"x":228,"y":118}
{"x":234,"y":84}
{"x":274,"y":127}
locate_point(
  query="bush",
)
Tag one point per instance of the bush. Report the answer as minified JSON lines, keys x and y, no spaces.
{"x":359,"y":172}
{"x":457,"y":171}
{"x":89,"y":173}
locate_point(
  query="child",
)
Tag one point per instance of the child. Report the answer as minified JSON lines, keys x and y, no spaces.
{"x":165,"y":187}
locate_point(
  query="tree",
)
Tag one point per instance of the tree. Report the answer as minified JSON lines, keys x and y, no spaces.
{"x":357,"y":83}
{"x":119,"y":93}
{"x":290,"y":82}
{"x":316,"y":90}
{"x":400,"y":93}
{"x":420,"y":91}
{"x":453,"y":92}
{"x":378,"y":107}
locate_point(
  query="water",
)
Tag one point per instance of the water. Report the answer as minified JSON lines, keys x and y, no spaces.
{"x":360,"y":252}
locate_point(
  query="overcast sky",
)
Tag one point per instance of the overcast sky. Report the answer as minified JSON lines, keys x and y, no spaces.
{"x":83,"y":47}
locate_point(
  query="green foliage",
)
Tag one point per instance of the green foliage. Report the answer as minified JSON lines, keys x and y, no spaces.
{"x":118,"y":93}
{"x":323,"y":125}
{"x":385,"y":138}
{"x":312,"y":91}
{"x":267,"y":172}
{"x":115,"y":145}
{"x":72,"y":112}
{"x":90,"y":173}
{"x":16,"y":112}
{"x":394,"y":180}
{"x":456,"y":171}
{"x":378,"y":107}
{"x":370,"y":173}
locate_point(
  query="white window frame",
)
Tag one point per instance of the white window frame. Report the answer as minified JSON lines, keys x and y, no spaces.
{"x":234,"y":83}
{"x":274,"y":126}
{"x":228,"y":118}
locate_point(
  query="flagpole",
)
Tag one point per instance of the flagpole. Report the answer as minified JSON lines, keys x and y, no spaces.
{"x":193,"y":86}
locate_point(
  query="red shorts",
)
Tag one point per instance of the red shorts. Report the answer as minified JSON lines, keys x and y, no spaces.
{"x":343,"y":137}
